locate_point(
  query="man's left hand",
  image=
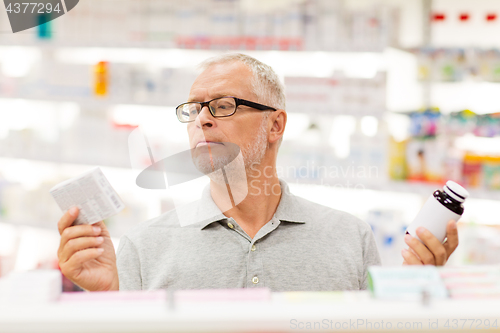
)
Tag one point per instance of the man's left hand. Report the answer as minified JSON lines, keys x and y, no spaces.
{"x":433,"y":252}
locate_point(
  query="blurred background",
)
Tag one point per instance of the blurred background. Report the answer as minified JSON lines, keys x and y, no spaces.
{"x":386,"y":99}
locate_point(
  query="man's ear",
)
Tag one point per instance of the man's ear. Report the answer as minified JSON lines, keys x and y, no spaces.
{"x":278,"y":123}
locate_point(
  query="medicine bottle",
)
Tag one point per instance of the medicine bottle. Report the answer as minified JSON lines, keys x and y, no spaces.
{"x":441,"y":207}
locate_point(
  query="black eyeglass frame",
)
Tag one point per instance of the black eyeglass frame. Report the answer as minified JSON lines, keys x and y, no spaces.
{"x":238,"y":102}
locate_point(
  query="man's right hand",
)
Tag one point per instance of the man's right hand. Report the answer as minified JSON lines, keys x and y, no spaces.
{"x":86,"y":254}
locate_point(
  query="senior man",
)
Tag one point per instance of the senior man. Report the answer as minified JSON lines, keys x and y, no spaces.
{"x":270,"y":238}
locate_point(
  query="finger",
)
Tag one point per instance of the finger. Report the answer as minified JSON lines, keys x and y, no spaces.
{"x":433,"y":244}
{"x":77,"y":231}
{"x":104,"y":230}
{"x":416,"y":255}
{"x":422,"y":252}
{"x":79,"y":258}
{"x":67,"y":219}
{"x":410,"y":258}
{"x":77,"y":244}
{"x":452,"y":238}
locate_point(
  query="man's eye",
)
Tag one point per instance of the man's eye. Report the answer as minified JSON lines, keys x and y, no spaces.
{"x":225,"y":106}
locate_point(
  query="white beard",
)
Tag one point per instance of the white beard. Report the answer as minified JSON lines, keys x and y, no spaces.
{"x":236,"y":170}
{"x":253,"y":153}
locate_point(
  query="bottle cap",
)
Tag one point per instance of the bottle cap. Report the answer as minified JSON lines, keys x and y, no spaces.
{"x":455,"y":191}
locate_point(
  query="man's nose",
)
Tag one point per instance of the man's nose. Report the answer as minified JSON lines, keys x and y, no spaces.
{"x":205,"y":118}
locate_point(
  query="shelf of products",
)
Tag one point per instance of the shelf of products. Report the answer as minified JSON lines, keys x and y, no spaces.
{"x":218,"y":25}
{"x":461,"y":146}
{"x":241,"y":311}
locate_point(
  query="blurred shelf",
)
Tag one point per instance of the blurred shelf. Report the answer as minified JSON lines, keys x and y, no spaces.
{"x":236,"y":44}
{"x":31,"y":223}
{"x":418,"y":188}
{"x":95,"y":102}
{"x":426,"y":189}
{"x":75,"y":44}
{"x":90,"y":101}
{"x":282,"y":312}
{"x":84,"y":160}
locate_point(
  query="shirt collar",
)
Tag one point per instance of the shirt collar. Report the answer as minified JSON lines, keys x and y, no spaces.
{"x":288,"y":209}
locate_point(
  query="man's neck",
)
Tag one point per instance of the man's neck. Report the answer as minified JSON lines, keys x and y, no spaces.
{"x":259,"y":205}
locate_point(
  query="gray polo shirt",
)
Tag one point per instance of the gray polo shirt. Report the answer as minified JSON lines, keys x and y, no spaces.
{"x":305,"y":246}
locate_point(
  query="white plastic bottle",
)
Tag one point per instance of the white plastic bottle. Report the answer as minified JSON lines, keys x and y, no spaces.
{"x":441,"y":207}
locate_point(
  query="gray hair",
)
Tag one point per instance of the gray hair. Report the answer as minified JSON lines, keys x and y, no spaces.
{"x":266,"y":83}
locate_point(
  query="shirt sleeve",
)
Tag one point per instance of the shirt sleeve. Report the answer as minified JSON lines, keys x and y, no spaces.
{"x":128,"y":265}
{"x":370,"y":255}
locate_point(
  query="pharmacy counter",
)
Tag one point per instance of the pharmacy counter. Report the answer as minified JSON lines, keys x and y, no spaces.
{"x":246,"y":311}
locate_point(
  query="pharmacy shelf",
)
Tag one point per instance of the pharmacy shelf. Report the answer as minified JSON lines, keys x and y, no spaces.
{"x":284,"y":312}
{"x":419,"y":188}
{"x":31,"y":223}
{"x":91,"y":102}
{"x":80,"y":160}
{"x":104,"y":102}
{"x":425,"y":189}
{"x":45,"y":225}
{"x":51,"y":226}
{"x":40,"y":43}
{"x":231,"y":45}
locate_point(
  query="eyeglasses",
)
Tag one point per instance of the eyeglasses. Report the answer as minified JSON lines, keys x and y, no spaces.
{"x":218,"y":107}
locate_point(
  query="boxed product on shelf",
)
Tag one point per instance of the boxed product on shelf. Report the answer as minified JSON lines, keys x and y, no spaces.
{"x":413,"y":282}
{"x":337,"y":94}
{"x":472,"y":170}
{"x":425,"y":123}
{"x":458,"y":64}
{"x":434,"y":159}
{"x":491,"y":172}
{"x":479,"y":244}
{"x":425,"y":159}
{"x":397,"y":159}
{"x":389,"y":230}
{"x":436,"y":149}
{"x":37,"y":286}
{"x":490,"y":65}
{"x":472,"y":281}
{"x":460,"y":123}
{"x":481,"y":171}
{"x":453,"y":164}
{"x":101,"y":78}
{"x":488,"y":125}
{"x":406,"y":282}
